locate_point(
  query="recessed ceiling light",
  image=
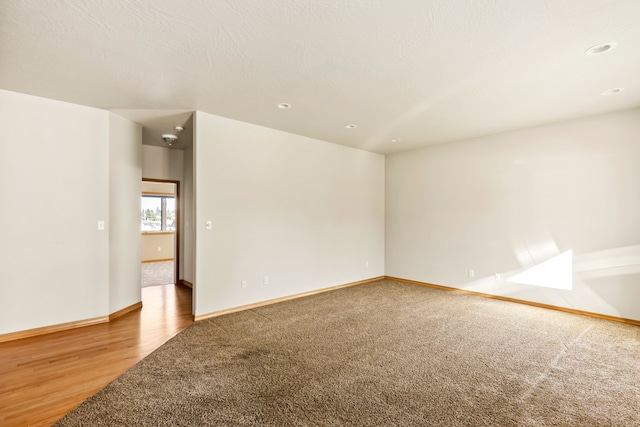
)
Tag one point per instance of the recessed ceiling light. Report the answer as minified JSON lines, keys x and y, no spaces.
{"x":179,"y":128}
{"x":613,"y":91}
{"x":284,"y":106}
{"x":600,"y":48}
{"x":396,"y":140}
{"x":350,"y":126}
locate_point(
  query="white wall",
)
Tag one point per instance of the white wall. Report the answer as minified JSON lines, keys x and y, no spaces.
{"x":162,"y":163}
{"x":309,"y":214}
{"x":187,"y":239}
{"x":306,"y":213}
{"x":503,"y":203}
{"x":125,"y":174}
{"x":54,"y":188}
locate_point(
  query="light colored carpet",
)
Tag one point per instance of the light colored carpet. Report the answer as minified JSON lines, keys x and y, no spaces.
{"x":157,"y":273}
{"x":382,"y":354}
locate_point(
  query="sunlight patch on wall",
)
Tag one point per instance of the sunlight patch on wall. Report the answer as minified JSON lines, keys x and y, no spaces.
{"x":556,"y":272}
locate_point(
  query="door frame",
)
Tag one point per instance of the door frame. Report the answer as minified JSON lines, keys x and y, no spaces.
{"x":176,"y":248}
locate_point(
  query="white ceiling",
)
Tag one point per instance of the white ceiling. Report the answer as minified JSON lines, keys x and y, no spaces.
{"x":424,"y":71}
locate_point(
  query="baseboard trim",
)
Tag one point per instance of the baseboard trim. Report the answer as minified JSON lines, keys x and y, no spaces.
{"x":146,"y":261}
{"x":282,"y":299}
{"x":12,"y":336}
{"x":122,"y":312}
{"x":520,"y":301}
{"x":186,"y":283}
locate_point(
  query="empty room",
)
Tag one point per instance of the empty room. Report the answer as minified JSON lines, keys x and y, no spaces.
{"x":315,"y":213}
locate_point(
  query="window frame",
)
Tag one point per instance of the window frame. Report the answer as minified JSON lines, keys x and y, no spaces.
{"x":163,"y":212}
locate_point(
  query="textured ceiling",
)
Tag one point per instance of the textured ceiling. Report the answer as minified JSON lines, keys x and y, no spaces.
{"x":423,"y":71}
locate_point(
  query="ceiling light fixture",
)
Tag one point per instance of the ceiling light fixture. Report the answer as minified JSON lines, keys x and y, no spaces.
{"x":169,"y":139}
{"x":179,"y":128}
{"x":600,"y":48}
{"x":350,"y":126}
{"x":396,"y":140}
{"x":284,"y":106}
{"x":613,"y":91}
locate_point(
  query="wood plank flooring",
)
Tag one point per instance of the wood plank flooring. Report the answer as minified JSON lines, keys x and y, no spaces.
{"x":42,"y":378}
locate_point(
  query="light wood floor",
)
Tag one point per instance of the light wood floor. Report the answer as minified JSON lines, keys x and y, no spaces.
{"x":42,"y":378}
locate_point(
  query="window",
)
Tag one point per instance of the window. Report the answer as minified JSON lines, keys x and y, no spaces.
{"x":157,"y":213}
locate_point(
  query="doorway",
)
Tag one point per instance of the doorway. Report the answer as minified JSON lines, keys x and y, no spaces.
{"x":160,"y":231}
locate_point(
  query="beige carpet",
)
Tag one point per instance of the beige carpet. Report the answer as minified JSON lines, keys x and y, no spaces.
{"x":382,"y":354}
{"x":157,"y":273}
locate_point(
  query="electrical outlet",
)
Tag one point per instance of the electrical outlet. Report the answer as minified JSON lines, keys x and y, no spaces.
{"x":100,"y":225}
{"x":243,"y":284}
{"x":265,"y":280}
{"x":497,"y":276}
{"x":471,"y":273}
{"x":366,"y":264}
